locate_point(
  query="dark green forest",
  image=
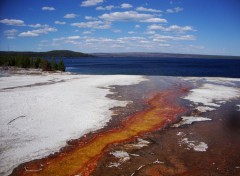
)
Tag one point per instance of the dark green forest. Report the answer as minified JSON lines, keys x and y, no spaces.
{"x":31,"y":62}
{"x":36,"y":59}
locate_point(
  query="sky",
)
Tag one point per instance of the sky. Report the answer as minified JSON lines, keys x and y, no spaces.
{"x":93,"y":26}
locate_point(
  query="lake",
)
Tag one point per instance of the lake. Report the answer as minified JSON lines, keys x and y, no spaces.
{"x":155,"y":66}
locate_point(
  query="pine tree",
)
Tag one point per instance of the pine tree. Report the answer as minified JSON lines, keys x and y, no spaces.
{"x":45,"y":66}
{"x":54,"y":65}
{"x":37,"y":62}
{"x":25,"y":62}
{"x":61,"y":66}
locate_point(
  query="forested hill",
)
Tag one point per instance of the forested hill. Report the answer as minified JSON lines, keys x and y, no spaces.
{"x":54,"y":53}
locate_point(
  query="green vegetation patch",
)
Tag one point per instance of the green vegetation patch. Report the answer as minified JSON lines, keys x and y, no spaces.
{"x":31,"y":62}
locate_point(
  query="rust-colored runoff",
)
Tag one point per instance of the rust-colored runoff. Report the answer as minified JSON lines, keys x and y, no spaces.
{"x":82,"y":160}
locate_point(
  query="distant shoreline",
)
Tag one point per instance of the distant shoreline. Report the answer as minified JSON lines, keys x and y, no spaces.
{"x":73,"y":54}
{"x":164,"y":55}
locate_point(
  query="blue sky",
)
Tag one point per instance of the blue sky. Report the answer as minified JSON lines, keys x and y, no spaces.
{"x":173,"y":26}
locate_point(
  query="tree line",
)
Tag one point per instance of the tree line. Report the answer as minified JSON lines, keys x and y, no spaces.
{"x":32,"y":62}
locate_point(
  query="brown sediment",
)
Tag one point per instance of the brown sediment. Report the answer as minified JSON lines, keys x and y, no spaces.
{"x":222,"y":157}
{"x":83,"y":157}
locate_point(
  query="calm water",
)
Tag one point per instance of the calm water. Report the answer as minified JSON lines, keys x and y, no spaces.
{"x":155,"y":66}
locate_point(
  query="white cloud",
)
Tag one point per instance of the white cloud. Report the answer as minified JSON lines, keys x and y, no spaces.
{"x":158,"y":37}
{"x":10,"y":34}
{"x":119,"y":41}
{"x":173,"y":28}
{"x":132,"y":16}
{"x":38,"y":25}
{"x":88,"y":3}
{"x":122,"y":44}
{"x":93,"y":25}
{"x":70,"y":15}
{"x":87,"y":32}
{"x":179,"y":28}
{"x":150,"y":32}
{"x":116,"y":46}
{"x":134,"y":38}
{"x":144,"y":41}
{"x":75,"y":37}
{"x":155,"y":20}
{"x":110,"y":7}
{"x":163,"y":45}
{"x":155,"y":27}
{"x":12,"y":22}
{"x":137,"y":26}
{"x":187,"y":37}
{"x":174,"y":10}
{"x":125,"y":16}
{"x":59,"y":22}
{"x":126,"y":6}
{"x":143,"y":9}
{"x":28,"y":34}
{"x":131,"y":32}
{"x":101,"y":40}
{"x":90,"y":18}
{"x":35,"y":33}
{"x":48,"y":8}
{"x":117,"y":31}
{"x":100,"y":8}
{"x":75,"y":40}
